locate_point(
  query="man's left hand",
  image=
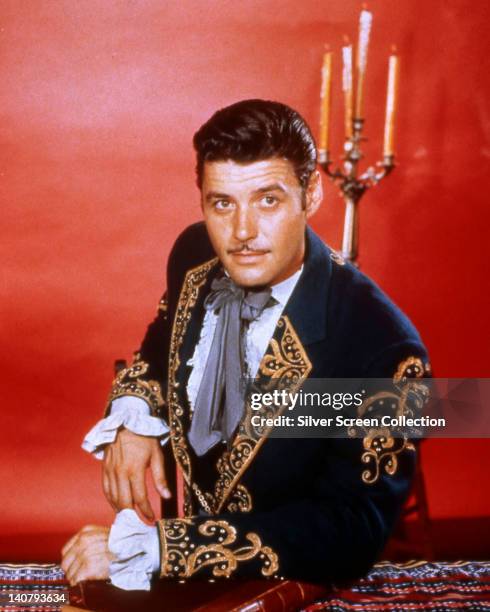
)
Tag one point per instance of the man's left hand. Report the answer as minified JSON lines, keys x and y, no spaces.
{"x":86,"y":555}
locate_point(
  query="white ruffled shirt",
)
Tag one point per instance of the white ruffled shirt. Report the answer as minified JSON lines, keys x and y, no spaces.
{"x":135,"y":544}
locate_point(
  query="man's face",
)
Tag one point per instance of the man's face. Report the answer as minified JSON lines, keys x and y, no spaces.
{"x":255,"y":215}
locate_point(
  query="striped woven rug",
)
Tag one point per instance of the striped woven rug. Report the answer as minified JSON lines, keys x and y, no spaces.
{"x":32,"y":587}
{"x":415,"y":585}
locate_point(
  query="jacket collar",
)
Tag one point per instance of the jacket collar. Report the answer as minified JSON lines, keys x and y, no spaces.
{"x":306,"y":308}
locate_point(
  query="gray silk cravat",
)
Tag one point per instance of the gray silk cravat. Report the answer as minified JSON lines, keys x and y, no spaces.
{"x":220,"y":400}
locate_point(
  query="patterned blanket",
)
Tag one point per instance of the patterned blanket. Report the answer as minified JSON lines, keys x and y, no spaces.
{"x":32,"y":587}
{"x":416,"y":585}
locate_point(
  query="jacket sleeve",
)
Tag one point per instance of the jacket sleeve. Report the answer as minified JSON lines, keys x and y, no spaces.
{"x":338,"y":530}
{"x":145,"y":378}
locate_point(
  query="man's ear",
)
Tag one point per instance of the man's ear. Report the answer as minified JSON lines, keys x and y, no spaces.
{"x":314,"y":194}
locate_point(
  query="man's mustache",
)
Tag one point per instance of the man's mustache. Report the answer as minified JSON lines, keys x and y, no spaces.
{"x":247,"y":249}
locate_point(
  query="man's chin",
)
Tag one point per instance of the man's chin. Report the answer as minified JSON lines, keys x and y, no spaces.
{"x":248,"y":277}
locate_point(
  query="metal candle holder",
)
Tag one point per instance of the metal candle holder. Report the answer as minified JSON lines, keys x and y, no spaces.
{"x":353,"y":186}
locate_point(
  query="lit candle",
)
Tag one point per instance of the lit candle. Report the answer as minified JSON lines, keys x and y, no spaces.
{"x":391,"y":96}
{"x":347,"y":87}
{"x":325,"y":93}
{"x":365,"y":22}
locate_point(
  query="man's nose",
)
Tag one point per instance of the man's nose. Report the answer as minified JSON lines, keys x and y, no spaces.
{"x":245,"y":226}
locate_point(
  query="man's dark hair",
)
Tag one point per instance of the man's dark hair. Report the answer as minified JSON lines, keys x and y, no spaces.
{"x":255,"y":130}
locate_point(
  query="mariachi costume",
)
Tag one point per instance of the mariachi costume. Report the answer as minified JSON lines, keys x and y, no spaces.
{"x":311,"y":509}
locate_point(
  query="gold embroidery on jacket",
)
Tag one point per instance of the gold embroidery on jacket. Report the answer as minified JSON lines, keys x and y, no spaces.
{"x":381,"y":448}
{"x":412,"y":367}
{"x":128,"y":382}
{"x":240,"y":500}
{"x":194,"y":280}
{"x":288,"y":360}
{"x":182,"y":558}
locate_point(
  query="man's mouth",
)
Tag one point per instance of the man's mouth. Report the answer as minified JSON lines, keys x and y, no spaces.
{"x":247,"y":255}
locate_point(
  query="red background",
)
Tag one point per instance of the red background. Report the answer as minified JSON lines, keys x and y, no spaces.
{"x":98,"y":107}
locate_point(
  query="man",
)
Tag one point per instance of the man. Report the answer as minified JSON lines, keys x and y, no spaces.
{"x":252,"y":292}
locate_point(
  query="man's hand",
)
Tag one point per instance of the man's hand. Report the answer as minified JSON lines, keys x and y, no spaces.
{"x":124,"y":470}
{"x":86,"y":555}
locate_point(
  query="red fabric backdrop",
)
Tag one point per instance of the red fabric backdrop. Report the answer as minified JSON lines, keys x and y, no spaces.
{"x":98,"y":107}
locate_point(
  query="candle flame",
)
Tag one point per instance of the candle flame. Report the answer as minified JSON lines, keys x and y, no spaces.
{"x":365,"y":22}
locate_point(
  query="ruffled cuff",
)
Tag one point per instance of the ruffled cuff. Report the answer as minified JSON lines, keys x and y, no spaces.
{"x":136,"y":548}
{"x":129,"y":412}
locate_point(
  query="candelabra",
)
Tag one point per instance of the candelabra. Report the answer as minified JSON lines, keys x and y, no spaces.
{"x":353,"y":185}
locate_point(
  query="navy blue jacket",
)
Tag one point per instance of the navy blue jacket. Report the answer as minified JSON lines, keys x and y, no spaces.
{"x":311,"y":509}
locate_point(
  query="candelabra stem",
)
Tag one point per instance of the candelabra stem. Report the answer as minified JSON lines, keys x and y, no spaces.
{"x":353,"y":185}
{"x":350,"y":239}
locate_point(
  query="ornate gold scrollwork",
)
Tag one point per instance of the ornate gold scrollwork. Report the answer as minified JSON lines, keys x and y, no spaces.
{"x":183,"y":558}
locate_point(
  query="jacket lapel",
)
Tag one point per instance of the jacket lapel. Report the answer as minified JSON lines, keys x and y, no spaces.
{"x":185,"y":334}
{"x":307,"y":305}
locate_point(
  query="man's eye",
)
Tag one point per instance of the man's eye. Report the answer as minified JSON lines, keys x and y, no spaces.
{"x":269,"y":200}
{"x":222,"y":204}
